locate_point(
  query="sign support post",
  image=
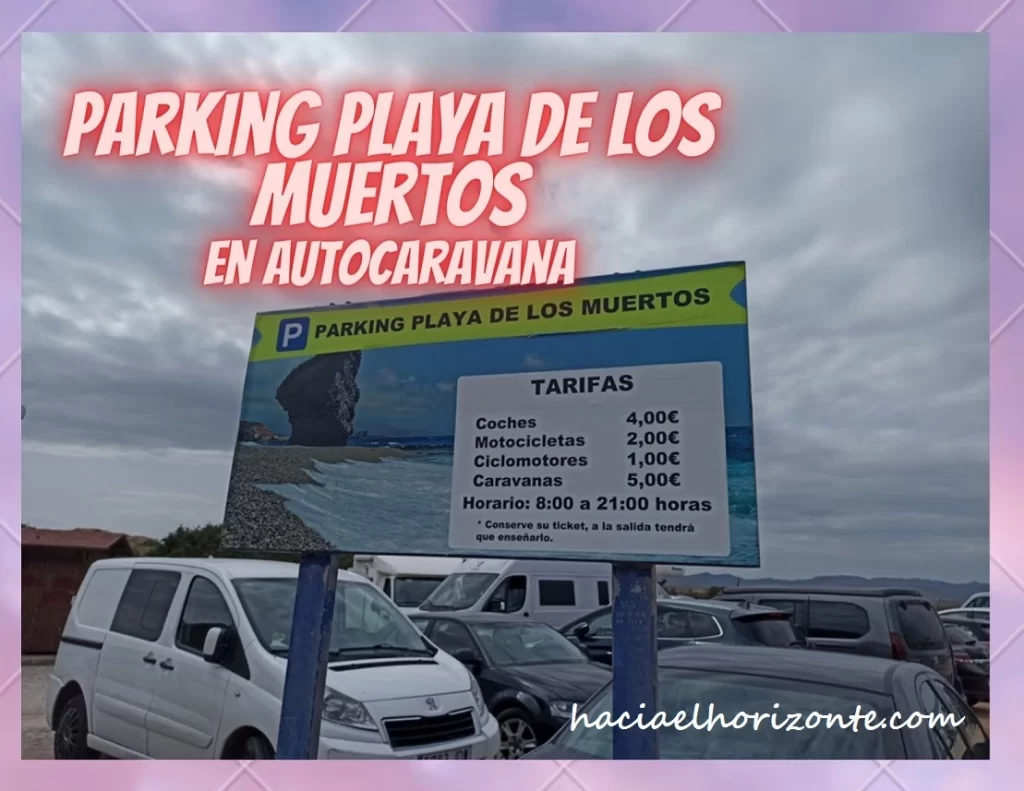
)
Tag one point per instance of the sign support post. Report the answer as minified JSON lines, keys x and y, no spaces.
{"x":302,"y":704}
{"x":634,"y":660}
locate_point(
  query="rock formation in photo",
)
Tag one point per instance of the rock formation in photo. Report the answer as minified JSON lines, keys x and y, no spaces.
{"x":250,"y":431}
{"x":320,"y":397}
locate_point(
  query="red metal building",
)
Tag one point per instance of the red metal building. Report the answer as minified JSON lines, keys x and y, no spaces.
{"x":53,"y":565}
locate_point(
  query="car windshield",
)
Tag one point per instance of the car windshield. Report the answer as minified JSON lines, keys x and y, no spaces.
{"x":458,"y":592}
{"x":412,"y":591}
{"x":366,"y":623}
{"x":525,"y":644}
{"x":960,"y":636}
{"x":979,"y":630}
{"x":734,"y":694}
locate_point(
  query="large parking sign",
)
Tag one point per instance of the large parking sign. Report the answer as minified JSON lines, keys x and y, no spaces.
{"x":609,"y":420}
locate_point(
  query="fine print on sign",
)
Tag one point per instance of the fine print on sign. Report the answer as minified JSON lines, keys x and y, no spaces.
{"x":602,"y":461}
{"x":607,"y":420}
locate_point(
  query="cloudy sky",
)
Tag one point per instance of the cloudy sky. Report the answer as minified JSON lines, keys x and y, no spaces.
{"x":853,"y":180}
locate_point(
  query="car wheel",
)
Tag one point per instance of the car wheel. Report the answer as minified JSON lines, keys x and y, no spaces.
{"x":256,"y":748}
{"x":518,"y":733}
{"x":71,"y":732}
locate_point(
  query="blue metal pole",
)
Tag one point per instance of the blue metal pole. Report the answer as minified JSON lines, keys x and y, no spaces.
{"x":634,"y":661}
{"x":303,"y":701}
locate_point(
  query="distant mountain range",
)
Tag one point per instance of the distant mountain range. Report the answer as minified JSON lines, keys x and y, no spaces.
{"x":933,"y":589}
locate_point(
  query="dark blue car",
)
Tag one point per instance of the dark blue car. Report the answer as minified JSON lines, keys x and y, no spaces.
{"x":790,"y":684}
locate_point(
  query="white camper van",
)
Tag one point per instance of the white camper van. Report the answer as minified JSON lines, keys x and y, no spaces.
{"x":405,"y":579}
{"x":551,"y":591}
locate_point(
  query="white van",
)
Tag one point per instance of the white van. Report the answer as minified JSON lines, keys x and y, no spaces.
{"x":405,"y":579}
{"x":551,"y":591}
{"x":182,"y":658}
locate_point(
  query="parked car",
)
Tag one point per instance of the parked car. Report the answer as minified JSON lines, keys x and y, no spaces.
{"x":685,"y":621}
{"x":754,"y":680}
{"x":550,"y":591}
{"x":530,"y":674}
{"x":972,"y":664}
{"x":893,"y":623}
{"x":176,"y":658}
{"x":980,"y":630}
{"x":975,"y":608}
{"x":977,"y":601}
{"x":980,"y":614}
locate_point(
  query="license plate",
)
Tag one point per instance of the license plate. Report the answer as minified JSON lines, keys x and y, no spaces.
{"x":462,"y":754}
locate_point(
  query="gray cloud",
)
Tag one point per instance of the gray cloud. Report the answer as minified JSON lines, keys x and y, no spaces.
{"x":852,"y":175}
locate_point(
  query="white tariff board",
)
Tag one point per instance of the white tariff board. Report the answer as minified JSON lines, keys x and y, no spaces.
{"x":595,"y":462}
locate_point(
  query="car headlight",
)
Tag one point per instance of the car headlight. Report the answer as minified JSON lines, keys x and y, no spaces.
{"x":561,"y":708}
{"x":478,"y":698}
{"x":343,"y":710}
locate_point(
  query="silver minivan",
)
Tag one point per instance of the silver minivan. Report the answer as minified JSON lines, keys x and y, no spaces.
{"x":185,"y":658}
{"x":893,"y":623}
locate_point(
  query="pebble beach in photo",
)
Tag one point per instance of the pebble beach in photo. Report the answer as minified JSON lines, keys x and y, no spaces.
{"x":258,"y":519}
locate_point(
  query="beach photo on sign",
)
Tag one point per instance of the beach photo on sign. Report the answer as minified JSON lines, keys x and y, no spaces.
{"x":358,"y":450}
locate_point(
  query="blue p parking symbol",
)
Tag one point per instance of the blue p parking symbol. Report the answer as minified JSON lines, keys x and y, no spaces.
{"x":292,"y":335}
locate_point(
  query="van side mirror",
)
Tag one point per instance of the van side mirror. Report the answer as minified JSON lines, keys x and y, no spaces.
{"x":216,"y":644}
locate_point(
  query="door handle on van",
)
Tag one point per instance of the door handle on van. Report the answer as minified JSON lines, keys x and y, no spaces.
{"x":167,"y":664}
{"x":149,"y":659}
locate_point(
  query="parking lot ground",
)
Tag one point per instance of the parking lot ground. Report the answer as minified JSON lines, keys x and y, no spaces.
{"x":37,"y":740}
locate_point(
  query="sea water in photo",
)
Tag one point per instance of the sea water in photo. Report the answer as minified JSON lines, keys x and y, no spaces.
{"x":407,"y":499}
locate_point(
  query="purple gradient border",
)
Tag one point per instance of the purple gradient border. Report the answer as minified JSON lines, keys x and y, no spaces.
{"x":1002,"y":20}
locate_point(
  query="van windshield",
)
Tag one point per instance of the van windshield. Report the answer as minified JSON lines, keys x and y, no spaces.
{"x":458,"y":592}
{"x":366,"y":624}
{"x":411,"y":591}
